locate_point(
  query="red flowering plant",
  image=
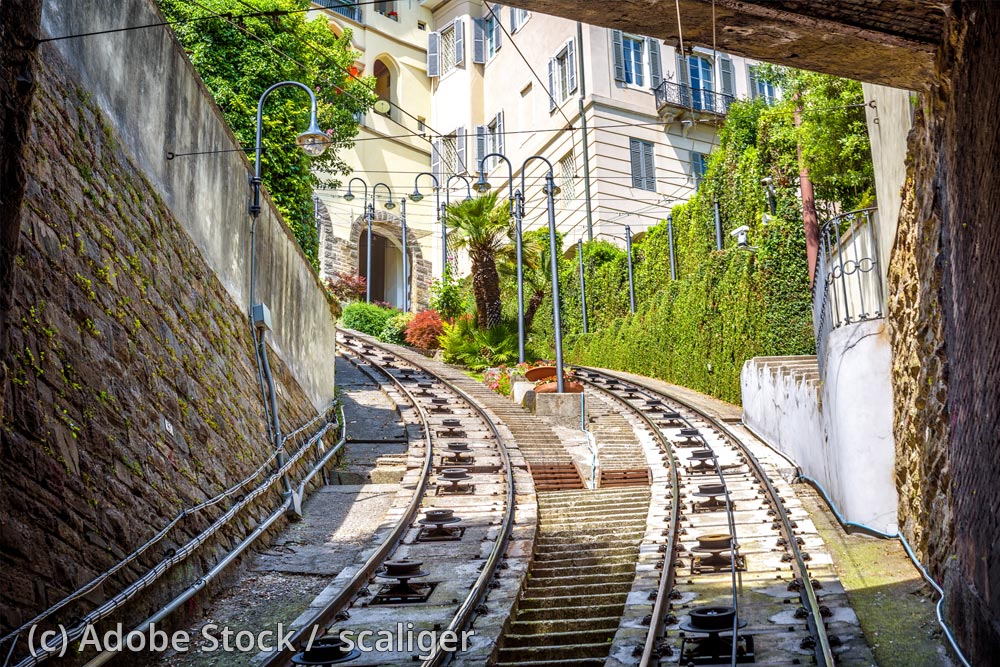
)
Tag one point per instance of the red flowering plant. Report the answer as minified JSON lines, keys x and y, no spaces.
{"x":498,"y":379}
{"x":424,"y":330}
{"x":345,"y":286}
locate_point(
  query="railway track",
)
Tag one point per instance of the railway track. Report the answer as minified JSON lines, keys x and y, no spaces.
{"x":442,"y":555}
{"x":735,"y":586}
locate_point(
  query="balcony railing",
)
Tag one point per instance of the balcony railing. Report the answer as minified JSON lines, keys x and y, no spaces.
{"x":848,"y":285}
{"x":670,"y":94}
{"x":342,"y":7}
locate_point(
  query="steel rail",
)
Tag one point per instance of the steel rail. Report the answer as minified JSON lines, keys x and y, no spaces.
{"x":667,"y":575}
{"x":325,"y":615}
{"x":481,"y":586}
{"x":807,"y":594}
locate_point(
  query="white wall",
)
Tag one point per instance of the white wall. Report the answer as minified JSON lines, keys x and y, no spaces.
{"x":842,"y":436}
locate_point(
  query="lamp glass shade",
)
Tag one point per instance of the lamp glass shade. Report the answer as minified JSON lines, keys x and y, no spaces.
{"x":313,"y":141}
{"x":482,"y":186}
{"x":349,"y":196}
{"x":389,"y":204}
{"x":416,"y":196}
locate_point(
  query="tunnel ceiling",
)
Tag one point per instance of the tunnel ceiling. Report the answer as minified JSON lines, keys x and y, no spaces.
{"x":890,"y":42}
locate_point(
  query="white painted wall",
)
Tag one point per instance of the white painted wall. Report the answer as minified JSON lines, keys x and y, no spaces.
{"x":840,"y":434}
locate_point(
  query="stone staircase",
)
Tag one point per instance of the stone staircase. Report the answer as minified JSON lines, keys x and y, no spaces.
{"x":584,"y":564}
{"x":620,"y":457}
{"x":802,"y":369}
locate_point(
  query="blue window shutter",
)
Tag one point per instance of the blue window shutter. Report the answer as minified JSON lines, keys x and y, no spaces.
{"x":433,"y":61}
{"x":752,"y":77}
{"x":497,"y":28}
{"x":459,"y":42}
{"x":618,"y":54}
{"x":513,"y":20}
{"x":436,"y":159}
{"x":460,"y":141}
{"x":552,"y":84}
{"x":481,"y":148}
{"x":655,"y":62}
{"x":649,"y":166}
{"x":478,"y":41}
{"x":571,"y":65}
{"x":635,"y":154}
{"x":500,"y":132}
{"x":726,"y":74}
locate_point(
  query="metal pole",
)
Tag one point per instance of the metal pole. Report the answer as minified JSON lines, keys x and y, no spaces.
{"x":550,"y":185}
{"x":670,"y":243}
{"x":718,"y":225}
{"x":406,"y":263}
{"x":443,"y":217}
{"x":583,"y":286}
{"x":518,"y":205}
{"x":369,"y":214}
{"x":583,"y":130}
{"x":631,"y":284}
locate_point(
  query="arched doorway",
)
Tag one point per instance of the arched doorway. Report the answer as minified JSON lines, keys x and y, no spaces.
{"x":387,"y":267}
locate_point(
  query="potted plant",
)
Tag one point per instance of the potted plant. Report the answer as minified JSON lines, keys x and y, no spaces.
{"x":545,"y":380}
{"x":392,"y":14}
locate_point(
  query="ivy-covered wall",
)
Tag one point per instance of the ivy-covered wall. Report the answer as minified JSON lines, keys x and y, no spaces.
{"x":725,"y":306}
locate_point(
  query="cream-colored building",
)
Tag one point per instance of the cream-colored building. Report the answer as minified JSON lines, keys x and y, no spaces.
{"x":496,"y":79}
{"x":392,"y":147}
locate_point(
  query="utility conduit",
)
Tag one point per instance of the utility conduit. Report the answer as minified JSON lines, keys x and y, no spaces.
{"x":852,"y":527}
{"x":46,"y":651}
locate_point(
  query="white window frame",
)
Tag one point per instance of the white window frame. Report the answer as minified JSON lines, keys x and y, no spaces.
{"x":518,"y":17}
{"x":491,"y":30}
{"x":643,"y":57}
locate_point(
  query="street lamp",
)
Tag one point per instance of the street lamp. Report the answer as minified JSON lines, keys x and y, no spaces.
{"x":313,"y":142}
{"x":482,"y":186}
{"x":417,"y":196}
{"x":583,"y":285}
{"x":551,"y":190}
{"x":369,"y":216}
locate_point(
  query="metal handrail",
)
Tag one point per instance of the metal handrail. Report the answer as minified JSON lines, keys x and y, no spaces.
{"x":669,"y":93}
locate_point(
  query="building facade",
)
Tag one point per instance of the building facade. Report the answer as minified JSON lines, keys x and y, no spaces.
{"x":501,"y":80}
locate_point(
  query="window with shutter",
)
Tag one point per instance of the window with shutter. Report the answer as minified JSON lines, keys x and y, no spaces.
{"x":499,"y":133}
{"x":552,"y":85}
{"x":518,"y":17}
{"x":618,"y":55}
{"x":478,"y":41}
{"x":726,"y":75}
{"x":482,"y":148}
{"x":567,"y":173}
{"x":433,"y":61}
{"x":643,"y":165}
{"x":436,"y":149}
{"x":699,"y":165}
{"x":491,"y":33}
{"x":655,"y":62}
{"x":459,"y":42}
{"x":461,"y":167}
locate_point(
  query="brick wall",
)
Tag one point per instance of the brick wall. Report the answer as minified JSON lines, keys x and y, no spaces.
{"x":118,"y":326}
{"x":945,"y":315}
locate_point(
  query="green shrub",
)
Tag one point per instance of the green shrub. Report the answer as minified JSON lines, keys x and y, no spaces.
{"x":366,"y":317}
{"x":394,"y":330}
{"x":478,"y":349}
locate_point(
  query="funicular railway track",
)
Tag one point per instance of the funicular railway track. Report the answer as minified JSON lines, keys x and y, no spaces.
{"x":436,"y":565}
{"x":726,"y":510}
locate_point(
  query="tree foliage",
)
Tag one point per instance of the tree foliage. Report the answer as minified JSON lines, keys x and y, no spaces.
{"x":240,"y":57}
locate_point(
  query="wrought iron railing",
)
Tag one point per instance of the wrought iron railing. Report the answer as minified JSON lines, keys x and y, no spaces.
{"x":342,"y":7}
{"x":848,"y":285}
{"x":669,"y":93}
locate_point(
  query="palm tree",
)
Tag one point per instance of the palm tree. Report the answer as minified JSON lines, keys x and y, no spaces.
{"x":537,"y":278}
{"x":482,"y":227}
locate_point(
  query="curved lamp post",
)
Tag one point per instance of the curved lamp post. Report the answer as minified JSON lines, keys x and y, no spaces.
{"x":517,"y":208}
{"x":417,"y":196}
{"x":314,"y":142}
{"x":551,"y":190}
{"x":369,"y":216}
